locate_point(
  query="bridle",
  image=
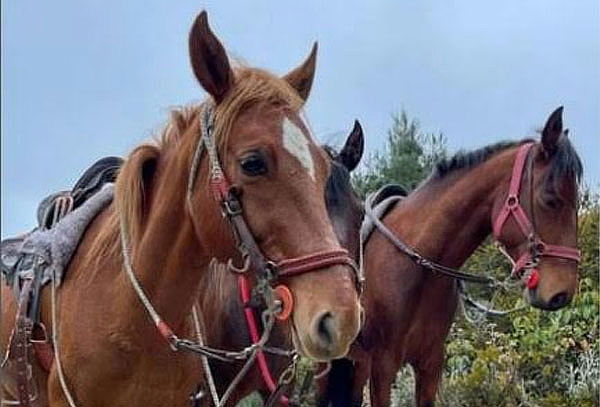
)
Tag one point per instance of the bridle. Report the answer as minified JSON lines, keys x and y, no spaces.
{"x":228,"y":197}
{"x":267,"y":271}
{"x":526,"y":264}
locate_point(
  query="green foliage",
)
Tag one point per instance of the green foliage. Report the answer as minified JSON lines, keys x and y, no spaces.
{"x":532,"y":358}
{"x":408,"y":158}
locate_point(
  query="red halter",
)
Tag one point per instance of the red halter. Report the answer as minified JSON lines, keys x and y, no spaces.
{"x":528,"y":260}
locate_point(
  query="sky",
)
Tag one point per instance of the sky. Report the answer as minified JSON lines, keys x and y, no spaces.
{"x":85,"y":79}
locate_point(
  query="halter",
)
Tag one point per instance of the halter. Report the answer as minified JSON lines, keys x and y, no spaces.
{"x":526,"y":265}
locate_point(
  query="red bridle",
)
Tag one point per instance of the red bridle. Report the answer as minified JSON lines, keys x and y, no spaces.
{"x":528,"y":260}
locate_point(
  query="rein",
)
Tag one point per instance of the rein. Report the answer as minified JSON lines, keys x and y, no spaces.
{"x":267,"y":271}
{"x":421,"y":260}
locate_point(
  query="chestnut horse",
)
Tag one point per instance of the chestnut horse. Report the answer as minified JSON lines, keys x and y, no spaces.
{"x":223,"y":309}
{"x":409,"y":309}
{"x":111,"y":353}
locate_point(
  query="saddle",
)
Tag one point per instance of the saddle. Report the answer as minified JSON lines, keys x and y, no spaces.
{"x":52,"y":207}
{"x":380,"y":202}
{"x":31,"y":260}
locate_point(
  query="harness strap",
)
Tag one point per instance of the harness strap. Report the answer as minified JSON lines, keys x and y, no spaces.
{"x":512,"y":204}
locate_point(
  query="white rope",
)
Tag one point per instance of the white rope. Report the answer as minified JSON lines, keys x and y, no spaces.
{"x":361,"y":259}
{"x":59,"y":369}
{"x":205,"y":362}
{"x":134,"y":281}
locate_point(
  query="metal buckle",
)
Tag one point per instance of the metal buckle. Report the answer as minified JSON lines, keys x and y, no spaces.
{"x":245,"y":265}
{"x":271,"y":270}
{"x":232,"y":207}
{"x":512,"y":201}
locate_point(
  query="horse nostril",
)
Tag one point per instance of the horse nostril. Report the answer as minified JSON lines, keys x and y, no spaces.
{"x":326,"y":329}
{"x":558,"y":301}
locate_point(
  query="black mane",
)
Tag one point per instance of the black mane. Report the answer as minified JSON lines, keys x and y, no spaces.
{"x":565,"y":161}
{"x":469,"y":159}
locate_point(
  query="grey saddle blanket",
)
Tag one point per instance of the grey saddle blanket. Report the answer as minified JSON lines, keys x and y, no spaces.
{"x":379,"y":203}
{"x":50,"y":250}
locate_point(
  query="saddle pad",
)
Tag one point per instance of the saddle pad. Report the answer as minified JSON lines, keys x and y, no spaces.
{"x":380,"y":202}
{"x":55,"y":246}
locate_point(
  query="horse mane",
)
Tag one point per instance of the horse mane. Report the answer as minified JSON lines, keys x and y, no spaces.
{"x":252,"y":87}
{"x":565,"y":161}
{"x":465,"y":160}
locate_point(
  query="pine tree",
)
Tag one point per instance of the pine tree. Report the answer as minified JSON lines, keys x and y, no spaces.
{"x":408,"y":157}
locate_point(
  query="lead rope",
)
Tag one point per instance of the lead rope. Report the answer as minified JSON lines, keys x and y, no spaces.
{"x":268,"y":322}
{"x":160,"y":324}
{"x":205,"y":362}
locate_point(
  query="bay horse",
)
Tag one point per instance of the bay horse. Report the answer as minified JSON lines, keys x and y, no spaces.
{"x":167,"y":206}
{"x":222,"y":307}
{"x":409,"y":309}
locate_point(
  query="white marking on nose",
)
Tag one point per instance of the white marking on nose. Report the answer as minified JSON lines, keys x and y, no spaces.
{"x":296,"y":143}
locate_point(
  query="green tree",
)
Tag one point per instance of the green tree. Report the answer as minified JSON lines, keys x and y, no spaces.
{"x":409,"y":156}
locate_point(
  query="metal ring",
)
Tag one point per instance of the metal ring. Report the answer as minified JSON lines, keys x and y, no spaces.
{"x":239,"y":270}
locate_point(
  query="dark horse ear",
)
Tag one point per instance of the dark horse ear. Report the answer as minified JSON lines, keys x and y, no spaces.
{"x":302,"y":77}
{"x":353,"y":149}
{"x":552,"y":131}
{"x":209,"y":59}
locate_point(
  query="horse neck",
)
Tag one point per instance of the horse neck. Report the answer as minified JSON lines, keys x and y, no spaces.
{"x":170,"y":260}
{"x":454,"y":213}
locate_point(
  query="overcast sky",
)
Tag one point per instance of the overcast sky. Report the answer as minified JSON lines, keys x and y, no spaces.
{"x":84,"y":79}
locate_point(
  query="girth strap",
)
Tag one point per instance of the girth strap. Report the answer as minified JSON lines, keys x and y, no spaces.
{"x":21,"y":348}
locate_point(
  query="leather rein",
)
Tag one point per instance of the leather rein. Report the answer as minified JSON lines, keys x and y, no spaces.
{"x":525,"y":266}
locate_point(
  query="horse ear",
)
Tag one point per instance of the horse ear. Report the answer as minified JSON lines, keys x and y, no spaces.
{"x":209,"y":59}
{"x":353,"y":149}
{"x":552,"y":131}
{"x":302,"y":77}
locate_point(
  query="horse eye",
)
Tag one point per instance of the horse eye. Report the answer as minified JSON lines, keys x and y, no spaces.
{"x":553,"y":203}
{"x":253,"y":165}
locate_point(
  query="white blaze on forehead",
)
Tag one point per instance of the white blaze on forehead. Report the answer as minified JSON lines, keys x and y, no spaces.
{"x":296,"y":143}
